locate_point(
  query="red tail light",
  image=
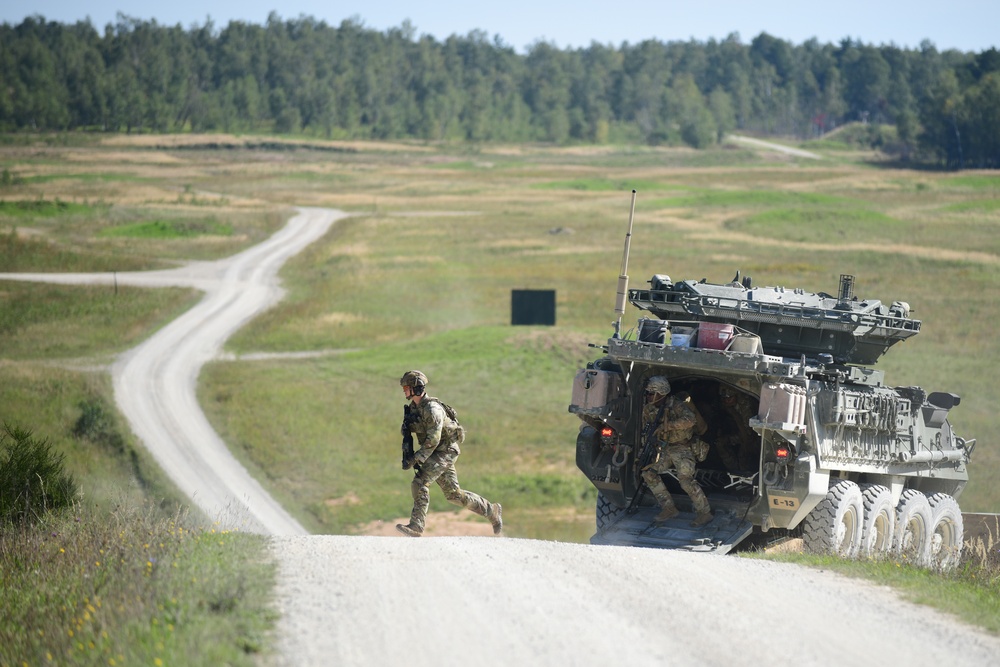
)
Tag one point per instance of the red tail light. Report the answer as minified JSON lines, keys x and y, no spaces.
{"x":782,"y":453}
{"x":607,"y":432}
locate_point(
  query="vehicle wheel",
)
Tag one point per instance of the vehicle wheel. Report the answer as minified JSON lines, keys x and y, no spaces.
{"x":947,"y":532}
{"x":834,"y":526}
{"x":607,"y":512}
{"x":912,"y":537}
{"x":879,"y":521}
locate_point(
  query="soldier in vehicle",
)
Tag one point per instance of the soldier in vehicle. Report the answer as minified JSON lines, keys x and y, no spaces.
{"x":439,"y":436}
{"x":674,"y":422}
{"x":739,"y":447}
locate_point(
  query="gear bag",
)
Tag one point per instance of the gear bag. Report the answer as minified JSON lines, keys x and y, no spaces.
{"x":700,"y":449}
{"x":450,"y":411}
{"x":453,"y":416}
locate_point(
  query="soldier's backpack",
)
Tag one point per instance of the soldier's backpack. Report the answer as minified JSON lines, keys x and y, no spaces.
{"x":452,"y":415}
{"x":450,"y":411}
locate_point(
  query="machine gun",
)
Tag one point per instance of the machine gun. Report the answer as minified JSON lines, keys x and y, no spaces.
{"x":409,"y":417}
{"x":648,"y":449}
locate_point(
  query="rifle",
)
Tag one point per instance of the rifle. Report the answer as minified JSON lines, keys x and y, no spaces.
{"x":409,"y":416}
{"x":648,"y":448}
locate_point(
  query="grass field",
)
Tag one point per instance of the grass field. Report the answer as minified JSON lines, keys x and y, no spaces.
{"x":420,"y":276}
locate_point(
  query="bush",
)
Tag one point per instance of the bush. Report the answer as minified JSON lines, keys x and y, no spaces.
{"x":32,"y":481}
{"x":97,"y":424}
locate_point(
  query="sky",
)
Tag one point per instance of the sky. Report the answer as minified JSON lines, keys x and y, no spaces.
{"x":966,"y":25}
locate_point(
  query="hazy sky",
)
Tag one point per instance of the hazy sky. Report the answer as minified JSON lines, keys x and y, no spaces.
{"x":967,"y":25}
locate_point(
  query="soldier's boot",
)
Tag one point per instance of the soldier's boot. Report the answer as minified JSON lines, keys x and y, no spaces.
{"x":668,"y":512}
{"x":409,"y":530}
{"x":702,"y":510}
{"x":701,"y":518}
{"x":495,"y":515}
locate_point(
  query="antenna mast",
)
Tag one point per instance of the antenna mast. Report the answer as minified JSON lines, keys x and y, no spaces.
{"x":623,"y":276}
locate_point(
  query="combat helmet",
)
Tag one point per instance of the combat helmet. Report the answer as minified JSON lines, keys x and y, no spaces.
{"x":658,"y":384}
{"x":413,"y":379}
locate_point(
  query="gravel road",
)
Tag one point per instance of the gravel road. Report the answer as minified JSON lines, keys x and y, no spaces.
{"x":155,"y":383}
{"x":485,"y":601}
{"x":488,"y":601}
{"x":771,"y":146}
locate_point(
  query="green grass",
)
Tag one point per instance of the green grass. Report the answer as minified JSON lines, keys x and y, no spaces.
{"x":983,"y":205}
{"x":334,"y":431}
{"x":44,"y":321}
{"x":43,"y":208}
{"x":974,"y":181}
{"x":754,"y":198}
{"x":86,"y":178}
{"x":29,"y":254}
{"x":824,"y":226}
{"x":59,"y":139}
{"x":170,"y":229}
{"x":94,"y":234}
{"x":970,"y":593}
{"x":107,"y":463}
{"x":607,"y":185}
{"x":377,"y":280}
{"x":129,"y":576}
{"x":132,"y":587}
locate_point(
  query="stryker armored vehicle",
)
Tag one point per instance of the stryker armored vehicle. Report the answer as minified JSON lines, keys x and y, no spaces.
{"x":804,"y":437}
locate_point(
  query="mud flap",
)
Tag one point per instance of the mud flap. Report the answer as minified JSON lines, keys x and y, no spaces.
{"x":720,"y":535}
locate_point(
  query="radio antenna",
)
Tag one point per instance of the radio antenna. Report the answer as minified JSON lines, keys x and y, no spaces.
{"x":623,"y":276}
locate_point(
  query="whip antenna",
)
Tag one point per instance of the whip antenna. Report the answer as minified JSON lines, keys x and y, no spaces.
{"x":623,"y":276}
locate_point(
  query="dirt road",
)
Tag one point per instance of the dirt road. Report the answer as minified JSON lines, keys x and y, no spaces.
{"x":155,"y":382}
{"x":484,"y":601}
{"x":771,"y":146}
{"x":489,"y":601}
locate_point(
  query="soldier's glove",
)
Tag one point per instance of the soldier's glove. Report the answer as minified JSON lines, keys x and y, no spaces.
{"x":408,"y":462}
{"x":421,"y":456}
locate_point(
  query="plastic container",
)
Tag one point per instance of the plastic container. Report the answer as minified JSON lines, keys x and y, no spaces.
{"x":776,"y":404}
{"x":595,"y":388}
{"x":653,"y":331}
{"x":746,"y":343}
{"x":782,"y":404}
{"x":712,"y":336}
{"x":681,"y":337}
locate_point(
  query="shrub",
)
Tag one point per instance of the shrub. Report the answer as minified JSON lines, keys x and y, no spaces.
{"x":32,"y":481}
{"x":97,"y":424}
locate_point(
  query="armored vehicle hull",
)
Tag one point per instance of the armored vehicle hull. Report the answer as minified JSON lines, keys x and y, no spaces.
{"x":802,"y":438}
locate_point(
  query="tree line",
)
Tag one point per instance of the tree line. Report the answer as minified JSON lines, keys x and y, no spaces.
{"x":350,"y":81}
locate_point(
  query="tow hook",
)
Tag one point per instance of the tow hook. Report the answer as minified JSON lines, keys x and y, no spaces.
{"x":621,"y":454}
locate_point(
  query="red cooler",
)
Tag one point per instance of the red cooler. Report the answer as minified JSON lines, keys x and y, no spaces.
{"x":712,"y":336}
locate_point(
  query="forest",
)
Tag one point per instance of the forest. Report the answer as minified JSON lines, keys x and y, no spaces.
{"x":305,"y":77}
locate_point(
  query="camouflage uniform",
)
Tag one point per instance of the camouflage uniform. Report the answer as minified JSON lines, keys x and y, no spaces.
{"x":439,"y":438}
{"x":676,"y":439}
{"x":741,"y":453}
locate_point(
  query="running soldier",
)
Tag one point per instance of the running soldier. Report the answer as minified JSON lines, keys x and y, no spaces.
{"x":439,"y":436}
